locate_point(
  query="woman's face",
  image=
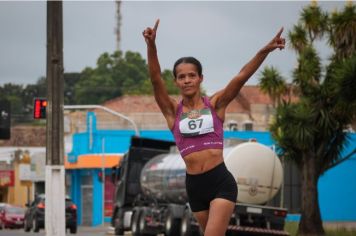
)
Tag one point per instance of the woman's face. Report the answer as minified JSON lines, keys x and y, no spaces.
{"x":188,"y":79}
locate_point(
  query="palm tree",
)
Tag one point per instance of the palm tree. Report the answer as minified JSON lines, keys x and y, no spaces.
{"x":273,"y":84}
{"x":298,"y":38}
{"x":342,"y":33}
{"x":314,"y":21}
{"x":311,"y":134}
{"x":311,"y":131}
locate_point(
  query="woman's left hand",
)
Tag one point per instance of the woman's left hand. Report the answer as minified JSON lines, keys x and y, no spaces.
{"x":276,"y":42}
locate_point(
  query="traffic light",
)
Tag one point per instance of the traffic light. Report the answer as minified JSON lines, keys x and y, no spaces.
{"x":39,"y":110}
{"x":5,"y":119}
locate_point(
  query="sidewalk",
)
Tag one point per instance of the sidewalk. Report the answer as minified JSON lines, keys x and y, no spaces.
{"x":105,"y":229}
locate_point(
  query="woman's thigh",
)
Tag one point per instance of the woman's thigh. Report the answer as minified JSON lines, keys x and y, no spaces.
{"x":202,"y":218}
{"x":220,"y":212}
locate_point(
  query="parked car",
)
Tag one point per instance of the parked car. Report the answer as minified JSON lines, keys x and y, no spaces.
{"x":35,"y":215}
{"x":11,"y":216}
{"x":2,"y":205}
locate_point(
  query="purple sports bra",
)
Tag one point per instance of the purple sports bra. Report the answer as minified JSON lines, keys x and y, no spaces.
{"x":198,"y":129}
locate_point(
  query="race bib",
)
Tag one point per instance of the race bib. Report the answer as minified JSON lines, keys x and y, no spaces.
{"x":196,"y":122}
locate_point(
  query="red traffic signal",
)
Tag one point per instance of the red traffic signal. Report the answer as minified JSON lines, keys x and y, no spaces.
{"x":39,"y":110}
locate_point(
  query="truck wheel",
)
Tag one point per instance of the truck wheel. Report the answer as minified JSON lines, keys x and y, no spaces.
{"x":36,"y":227}
{"x":119,"y":231}
{"x":186,"y":228}
{"x":73,"y":229}
{"x":171,"y":225}
{"x":134,"y":224}
{"x":142,"y":224}
{"x":26,"y":227}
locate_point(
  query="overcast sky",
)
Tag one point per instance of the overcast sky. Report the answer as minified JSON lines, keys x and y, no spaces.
{"x":222,"y":35}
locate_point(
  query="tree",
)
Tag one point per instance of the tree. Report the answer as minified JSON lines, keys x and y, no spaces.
{"x":273,"y":84}
{"x":311,"y":131}
{"x":342,"y":33}
{"x":13,"y":93}
{"x":115,"y":75}
{"x":70,"y":80}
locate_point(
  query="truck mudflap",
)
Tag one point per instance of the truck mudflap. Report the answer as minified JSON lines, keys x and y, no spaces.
{"x":256,"y":230}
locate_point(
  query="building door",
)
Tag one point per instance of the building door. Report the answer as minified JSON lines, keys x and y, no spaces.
{"x":87,"y":205}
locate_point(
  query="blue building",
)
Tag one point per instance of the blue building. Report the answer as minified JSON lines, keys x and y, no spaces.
{"x":88,"y":171}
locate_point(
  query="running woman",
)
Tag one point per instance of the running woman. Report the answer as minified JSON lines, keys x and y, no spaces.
{"x":197,"y":126}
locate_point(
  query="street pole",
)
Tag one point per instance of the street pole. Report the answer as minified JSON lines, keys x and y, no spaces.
{"x":103,"y":175}
{"x":55,"y":190}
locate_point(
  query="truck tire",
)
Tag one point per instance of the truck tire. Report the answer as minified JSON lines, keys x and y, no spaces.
{"x":135,"y":224}
{"x":73,"y":229}
{"x":186,"y":228}
{"x":26,"y":226}
{"x":172,"y":224}
{"x":119,"y":231}
{"x":142,"y":224}
{"x":35,"y":226}
{"x":116,"y":222}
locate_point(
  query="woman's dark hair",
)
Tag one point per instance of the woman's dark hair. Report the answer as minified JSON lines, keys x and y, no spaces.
{"x":190,"y":60}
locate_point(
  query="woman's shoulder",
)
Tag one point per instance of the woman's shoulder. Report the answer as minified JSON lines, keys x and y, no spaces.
{"x":212,"y":99}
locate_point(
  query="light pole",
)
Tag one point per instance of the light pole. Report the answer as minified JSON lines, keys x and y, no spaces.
{"x":77,"y":107}
{"x":103,"y":174}
{"x":55,"y":192}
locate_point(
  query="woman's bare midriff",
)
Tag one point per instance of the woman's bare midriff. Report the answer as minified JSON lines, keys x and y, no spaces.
{"x":202,"y":161}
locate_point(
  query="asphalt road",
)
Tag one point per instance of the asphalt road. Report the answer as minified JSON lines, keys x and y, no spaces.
{"x":82,"y":231}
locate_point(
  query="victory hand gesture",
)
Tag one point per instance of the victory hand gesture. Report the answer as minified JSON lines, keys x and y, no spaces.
{"x":276,"y":42}
{"x":150,"y":34}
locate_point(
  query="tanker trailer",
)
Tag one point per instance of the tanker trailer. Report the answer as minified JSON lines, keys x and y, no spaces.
{"x":162,"y":206}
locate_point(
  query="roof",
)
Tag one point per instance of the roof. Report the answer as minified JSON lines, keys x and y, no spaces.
{"x":249,"y":94}
{"x":87,"y":161}
{"x":32,"y":136}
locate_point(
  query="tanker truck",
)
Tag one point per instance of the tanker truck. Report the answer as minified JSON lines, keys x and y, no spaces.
{"x":150,"y":196}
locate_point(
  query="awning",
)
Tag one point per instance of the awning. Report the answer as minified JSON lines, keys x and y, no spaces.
{"x":86,"y":161}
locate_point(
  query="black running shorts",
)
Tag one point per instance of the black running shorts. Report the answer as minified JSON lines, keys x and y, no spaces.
{"x":215,"y":183}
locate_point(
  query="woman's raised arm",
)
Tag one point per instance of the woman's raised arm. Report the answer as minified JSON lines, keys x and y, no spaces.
{"x":165,"y":103}
{"x":222,"y":98}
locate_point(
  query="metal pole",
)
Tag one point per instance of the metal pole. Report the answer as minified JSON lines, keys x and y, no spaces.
{"x":281,"y":204}
{"x":55,"y":190}
{"x":28,"y":195}
{"x":103,"y":175}
{"x":74,"y":107}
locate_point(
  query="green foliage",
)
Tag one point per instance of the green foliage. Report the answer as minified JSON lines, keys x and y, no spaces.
{"x":13,"y":93}
{"x":114,"y":75}
{"x":315,"y":125}
{"x":70,"y":80}
{"x":117,"y":75}
{"x":298,"y":38}
{"x":272,"y":83}
{"x":292,"y":229}
{"x":311,"y":132}
{"x":314,"y":21}
{"x":308,"y":72}
{"x":342,"y":31}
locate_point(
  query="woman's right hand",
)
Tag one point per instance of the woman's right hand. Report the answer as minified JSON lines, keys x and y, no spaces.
{"x":150,"y":33}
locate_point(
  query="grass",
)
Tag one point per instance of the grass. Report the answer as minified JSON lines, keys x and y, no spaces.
{"x":292,"y":228}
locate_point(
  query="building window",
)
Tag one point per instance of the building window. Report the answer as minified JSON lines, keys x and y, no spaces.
{"x":248,"y":126}
{"x":232,"y":125}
